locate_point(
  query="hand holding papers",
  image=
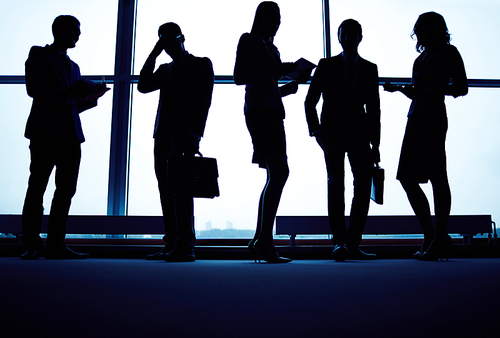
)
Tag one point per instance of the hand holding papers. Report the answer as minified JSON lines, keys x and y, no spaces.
{"x":85,"y":90}
{"x":86,"y":93}
{"x":302,"y":71}
{"x":99,"y":91}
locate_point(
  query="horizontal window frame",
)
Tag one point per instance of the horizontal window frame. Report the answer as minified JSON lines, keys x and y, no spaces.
{"x":228,"y":79}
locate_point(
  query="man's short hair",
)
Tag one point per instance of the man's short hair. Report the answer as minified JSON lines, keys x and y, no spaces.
{"x":63,"y":23}
{"x":350,"y":24}
{"x":169,"y":29}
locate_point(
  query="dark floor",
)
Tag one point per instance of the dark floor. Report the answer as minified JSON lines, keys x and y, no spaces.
{"x":236,"y":249}
{"x":105,"y":297}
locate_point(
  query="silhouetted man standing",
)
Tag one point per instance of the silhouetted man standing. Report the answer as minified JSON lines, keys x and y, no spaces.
{"x":350,"y":122}
{"x":55,"y":134}
{"x":186,"y":86}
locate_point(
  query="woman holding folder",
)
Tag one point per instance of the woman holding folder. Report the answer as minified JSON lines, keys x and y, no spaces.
{"x":259,"y":67}
{"x":437,"y":72}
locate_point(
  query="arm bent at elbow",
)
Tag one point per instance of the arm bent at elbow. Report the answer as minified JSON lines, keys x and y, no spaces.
{"x":459,"y":86}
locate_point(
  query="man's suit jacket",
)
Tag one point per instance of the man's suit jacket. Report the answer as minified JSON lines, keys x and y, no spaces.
{"x":52,"y":114}
{"x":347,"y":117}
{"x":185,"y":95}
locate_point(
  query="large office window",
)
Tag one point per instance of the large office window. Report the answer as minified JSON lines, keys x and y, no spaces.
{"x":23,"y":26}
{"x":387,"y":25}
{"x":471,"y":146}
{"x":212,"y":29}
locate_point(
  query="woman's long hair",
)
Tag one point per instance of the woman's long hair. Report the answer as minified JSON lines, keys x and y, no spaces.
{"x":430,"y":30}
{"x":266,"y":17}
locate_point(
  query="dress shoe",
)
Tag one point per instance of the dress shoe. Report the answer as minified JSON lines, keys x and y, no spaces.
{"x":65,"y":253}
{"x":425,"y":245}
{"x":160,"y":255}
{"x":251,"y":248}
{"x":31,"y":254}
{"x":339,"y":252}
{"x":180,"y":255}
{"x":358,"y":254}
{"x":439,"y":249}
{"x":268,"y":253}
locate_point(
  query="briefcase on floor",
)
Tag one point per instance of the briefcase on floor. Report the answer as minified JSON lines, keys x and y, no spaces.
{"x":193,"y":175}
{"x":377,"y":193}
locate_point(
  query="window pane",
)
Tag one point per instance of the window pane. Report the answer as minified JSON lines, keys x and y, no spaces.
{"x":28,"y":23}
{"x":226,"y":139}
{"x":91,"y":196}
{"x":241,"y":182}
{"x":216,"y":35}
{"x":387,"y":25}
{"x":14,"y":150}
{"x":94,"y":53}
{"x":214,"y":28}
{"x":144,"y":198}
{"x":472,"y":153}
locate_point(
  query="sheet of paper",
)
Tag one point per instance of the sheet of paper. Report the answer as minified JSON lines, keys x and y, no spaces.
{"x":302,"y":66}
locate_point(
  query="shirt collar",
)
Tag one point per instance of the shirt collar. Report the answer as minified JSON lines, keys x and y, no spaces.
{"x":356,"y":58}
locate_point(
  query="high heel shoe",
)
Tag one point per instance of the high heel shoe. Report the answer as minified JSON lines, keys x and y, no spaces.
{"x":439,"y":249}
{"x":251,"y":248}
{"x":269,"y":253}
{"x":425,"y":245}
